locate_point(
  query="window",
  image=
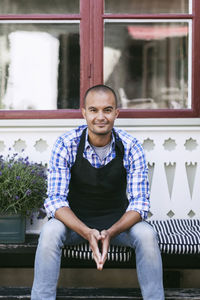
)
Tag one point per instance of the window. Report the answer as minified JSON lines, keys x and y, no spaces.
{"x":39,"y":58}
{"x":36,"y":60}
{"x":52,"y":51}
{"x":149,"y":65}
{"x":150,"y":54}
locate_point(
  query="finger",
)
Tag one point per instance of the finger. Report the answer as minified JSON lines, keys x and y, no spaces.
{"x":105,"y":240}
{"x":96,"y":253}
{"x":104,"y":252}
{"x":103,"y":234}
{"x":98,"y":260}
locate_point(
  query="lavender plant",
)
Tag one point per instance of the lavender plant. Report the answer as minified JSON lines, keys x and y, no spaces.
{"x":23,"y":185}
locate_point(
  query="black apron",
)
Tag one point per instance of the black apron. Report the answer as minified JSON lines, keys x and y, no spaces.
{"x":98,"y":195}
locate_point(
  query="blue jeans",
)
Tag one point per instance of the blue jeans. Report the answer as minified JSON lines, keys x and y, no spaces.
{"x":55,"y":234}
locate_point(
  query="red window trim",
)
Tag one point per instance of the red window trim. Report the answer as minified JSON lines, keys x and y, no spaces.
{"x":85,"y":77}
{"x":41,"y":114}
{"x":91,"y":71}
{"x":40,"y":17}
{"x":149,"y":16}
{"x":76,"y":114}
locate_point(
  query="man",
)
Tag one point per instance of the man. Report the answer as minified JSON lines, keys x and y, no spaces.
{"x":98,"y":192}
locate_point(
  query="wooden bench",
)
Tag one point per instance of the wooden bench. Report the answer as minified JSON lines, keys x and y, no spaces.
{"x":175,"y":256}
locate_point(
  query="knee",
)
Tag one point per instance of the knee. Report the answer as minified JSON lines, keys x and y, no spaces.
{"x":143,"y":234}
{"x":53,"y":234}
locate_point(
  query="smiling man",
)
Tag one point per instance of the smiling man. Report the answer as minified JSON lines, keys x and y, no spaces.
{"x":100,"y":112}
{"x":98,"y":193}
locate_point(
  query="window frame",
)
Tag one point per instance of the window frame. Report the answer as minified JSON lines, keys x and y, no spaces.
{"x":195,"y":101}
{"x":85,"y":81}
{"x":92,"y":19}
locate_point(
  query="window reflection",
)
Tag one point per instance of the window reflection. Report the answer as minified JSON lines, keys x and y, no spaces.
{"x":39,"y":66}
{"x":147,"y":63}
{"x":39,"y":6}
{"x":146,"y":6}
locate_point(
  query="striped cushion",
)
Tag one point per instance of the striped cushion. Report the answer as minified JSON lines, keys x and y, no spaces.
{"x":82,"y":251}
{"x":179,"y":236}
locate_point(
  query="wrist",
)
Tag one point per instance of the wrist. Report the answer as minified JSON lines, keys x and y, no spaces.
{"x":86,"y":233}
{"x":89,"y":232}
{"x":111,"y":232}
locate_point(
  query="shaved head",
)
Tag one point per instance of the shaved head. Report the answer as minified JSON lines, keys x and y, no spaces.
{"x":100,"y":88}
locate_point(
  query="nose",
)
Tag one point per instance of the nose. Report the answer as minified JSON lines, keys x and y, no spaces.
{"x":100,"y":115}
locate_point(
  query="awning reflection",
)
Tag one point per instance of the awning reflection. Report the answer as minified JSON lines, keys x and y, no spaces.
{"x":148,"y":32}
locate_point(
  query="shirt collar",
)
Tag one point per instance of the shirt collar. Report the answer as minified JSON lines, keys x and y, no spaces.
{"x":88,"y":146}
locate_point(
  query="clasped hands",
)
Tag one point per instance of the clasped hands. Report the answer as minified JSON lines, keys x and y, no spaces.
{"x":99,"y":244}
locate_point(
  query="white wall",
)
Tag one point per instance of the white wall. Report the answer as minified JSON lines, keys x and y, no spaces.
{"x":172,"y":149}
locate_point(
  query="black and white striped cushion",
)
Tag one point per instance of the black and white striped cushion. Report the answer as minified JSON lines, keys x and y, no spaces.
{"x":179,"y":236}
{"x":82,"y":251}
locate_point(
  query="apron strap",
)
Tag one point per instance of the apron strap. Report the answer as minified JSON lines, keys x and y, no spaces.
{"x":119,"y":148}
{"x":81,"y":144}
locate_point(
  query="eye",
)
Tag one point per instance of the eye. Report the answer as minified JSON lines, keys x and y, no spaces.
{"x":92,"y":109}
{"x":108,"y":110}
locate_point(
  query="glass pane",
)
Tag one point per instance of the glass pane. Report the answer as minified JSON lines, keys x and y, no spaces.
{"x":146,"y":6}
{"x":147,"y":64}
{"x":39,"y":6}
{"x":39,"y":66}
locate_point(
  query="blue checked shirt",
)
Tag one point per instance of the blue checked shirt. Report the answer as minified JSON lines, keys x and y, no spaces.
{"x":64,"y":155}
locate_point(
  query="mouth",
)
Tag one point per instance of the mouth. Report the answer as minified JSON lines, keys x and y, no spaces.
{"x":101,"y":125}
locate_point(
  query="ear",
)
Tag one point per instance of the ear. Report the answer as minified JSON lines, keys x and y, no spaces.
{"x":83,"y":112}
{"x":116,"y":113}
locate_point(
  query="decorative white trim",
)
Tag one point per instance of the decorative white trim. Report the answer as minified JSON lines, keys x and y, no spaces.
{"x":172,"y":148}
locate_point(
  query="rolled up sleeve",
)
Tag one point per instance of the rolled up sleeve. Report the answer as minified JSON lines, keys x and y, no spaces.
{"x":58,"y":179}
{"x":137,"y":181}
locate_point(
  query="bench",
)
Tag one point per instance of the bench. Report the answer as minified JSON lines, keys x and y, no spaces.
{"x":179,"y":242}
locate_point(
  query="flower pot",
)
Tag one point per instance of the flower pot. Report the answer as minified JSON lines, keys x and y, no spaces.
{"x":12,"y":229}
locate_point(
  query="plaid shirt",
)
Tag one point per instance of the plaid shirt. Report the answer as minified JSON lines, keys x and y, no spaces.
{"x":64,"y":155}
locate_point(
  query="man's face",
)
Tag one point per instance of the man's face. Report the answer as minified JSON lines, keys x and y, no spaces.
{"x":100,"y":112}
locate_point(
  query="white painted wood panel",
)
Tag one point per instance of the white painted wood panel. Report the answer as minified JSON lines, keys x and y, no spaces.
{"x":172,"y":151}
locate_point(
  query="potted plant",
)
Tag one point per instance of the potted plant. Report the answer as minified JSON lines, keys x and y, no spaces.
{"x":23,"y":188}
